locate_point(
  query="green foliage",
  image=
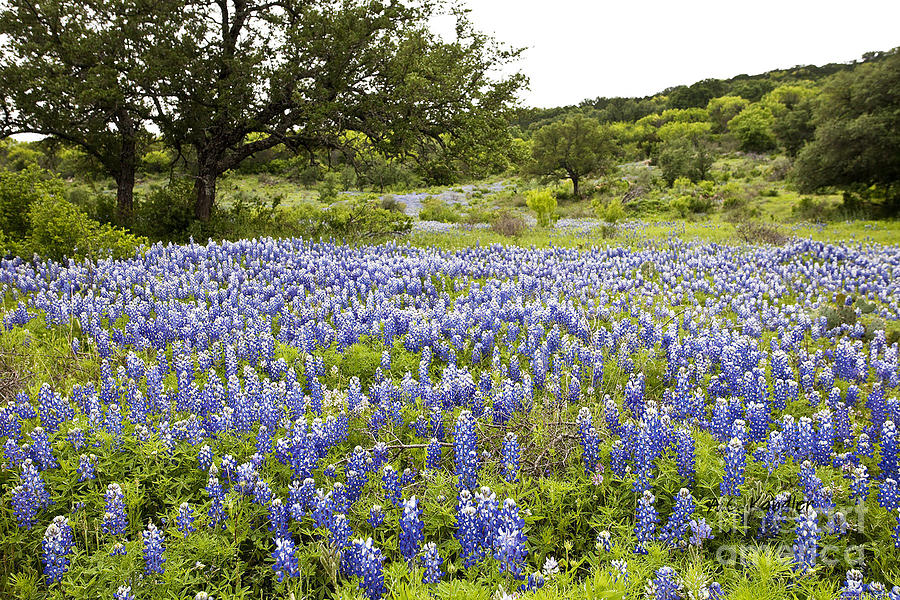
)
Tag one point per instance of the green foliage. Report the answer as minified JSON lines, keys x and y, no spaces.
{"x":543,"y":203}
{"x":156,"y":161}
{"x":684,"y":157}
{"x":721,"y":110}
{"x":167,"y":213}
{"x":610,"y":211}
{"x":753,"y":128}
{"x":330,"y":187}
{"x":857,"y":141}
{"x":434,"y":209}
{"x":60,"y":229}
{"x":574,"y":148}
{"x":19,"y":191}
{"x":354,"y":221}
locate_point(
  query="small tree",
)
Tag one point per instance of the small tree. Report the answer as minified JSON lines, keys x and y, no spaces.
{"x":543,"y":203}
{"x":753,"y":127}
{"x":574,"y":148}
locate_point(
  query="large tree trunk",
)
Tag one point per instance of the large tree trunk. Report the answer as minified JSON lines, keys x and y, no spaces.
{"x":205,"y":187}
{"x":575,"y":180}
{"x":125,"y":189}
{"x":124,"y":175}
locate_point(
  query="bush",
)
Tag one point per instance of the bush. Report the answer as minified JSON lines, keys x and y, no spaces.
{"x":610,"y":212}
{"x":508,"y":224}
{"x":167,"y":213}
{"x":389,"y":202}
{"x":812,"y":210}
{"x":433,"y":209}
{"x":60,"y":229}
{"x":358,"y":220}
{"x":543,"y":203}
{"x":756,"y":232}
{"x":330,"y":188}
{"x":19,"y":191}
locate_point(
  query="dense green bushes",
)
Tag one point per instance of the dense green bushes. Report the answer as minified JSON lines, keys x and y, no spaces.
{"x":36,"y":218}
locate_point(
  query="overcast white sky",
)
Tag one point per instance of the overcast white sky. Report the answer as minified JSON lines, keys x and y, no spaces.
{"x":581,"y":49}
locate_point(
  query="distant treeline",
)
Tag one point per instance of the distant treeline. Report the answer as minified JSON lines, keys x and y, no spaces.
{"x":697,"y":95}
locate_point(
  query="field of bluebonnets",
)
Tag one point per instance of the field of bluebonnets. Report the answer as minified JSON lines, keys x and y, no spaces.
{"x":262,"y":418}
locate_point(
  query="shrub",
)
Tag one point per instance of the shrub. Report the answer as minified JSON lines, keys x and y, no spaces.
{"x":812,"y":210}
{"x":330,"y":187}
{"x":433,"y":209}
{"x":167,"y":213}
{"x":611,"y":212}
{"x":543,"y":203}
{"x":60,"y":229}
{"x":389,"y":202}
{"x":756,"y":232}
{"x":508,"y":224}
{"x":19,"y":191}
{"x":358,"y":220}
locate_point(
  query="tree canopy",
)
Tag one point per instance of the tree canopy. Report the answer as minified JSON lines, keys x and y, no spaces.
{"x":574,"y":148}
{"x":225,"y":79}
{"x":857,"y":136}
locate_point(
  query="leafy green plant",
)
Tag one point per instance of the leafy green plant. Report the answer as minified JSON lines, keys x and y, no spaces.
{"x":543,"y":203}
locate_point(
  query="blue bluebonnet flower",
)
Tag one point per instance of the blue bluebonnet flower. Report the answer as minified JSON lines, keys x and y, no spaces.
{"x":56,"y":547}
{"x":407,"y":477}
{"x":286,"y":564}
{"x":859,"y":483}
{"x":815,"y":493}
{"x":589,"y":440}
{"x":467,"y":528}
{"x":700,"y":531}
{"x":41,"y":452}
{"x":185,"y":519}
{"x":889,"y":463}
{"x":465,"y":446}
{"x":677,"y":526}
{"x":217,"y":514}
{"x":684,"y":461}
{"x":854,"y":588}
{"x":30,"y":496}
{"x":735,"y":463}
{"x":376,"y":516}
{"x":889,"y":495}
{"x":123,"y":593}
{"x":665,"y":585}
{"x":86,"y":467}
{"x":618,"y":456}
{"x":340,"y":532}
{"x":114,"y":519}
{"x":510,"y":458}
{"x":76,"y":438}
{"x":533,"y":582}
{"x":619,"y":571}
{"x":391,"y":484}
{"x":365,"y":561}
{"x":154,"y":547}
{"x":411,"y":527}
{"x":645,"y":519}
{"x":774,"y":517}
{"x":604,"y":541}
{"x":431,"y":562}
{"x":807,"y":540}
{"x":205,"y":458}
{"x":433,"y":455}
{"x":510,"y":541}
